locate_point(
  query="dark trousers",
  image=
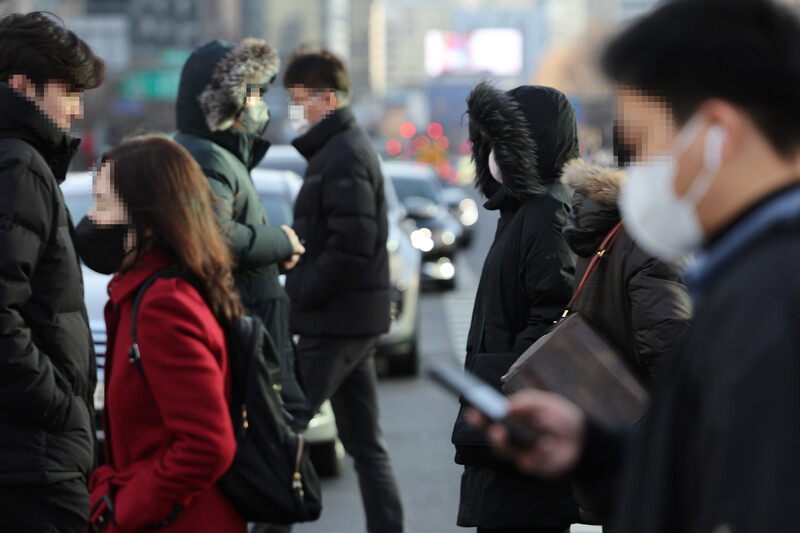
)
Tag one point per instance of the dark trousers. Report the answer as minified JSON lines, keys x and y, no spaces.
{"x":61,"y":507}
{"x":343,"y":370}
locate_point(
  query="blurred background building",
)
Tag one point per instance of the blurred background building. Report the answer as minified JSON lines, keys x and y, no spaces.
{"x":412,"y":62}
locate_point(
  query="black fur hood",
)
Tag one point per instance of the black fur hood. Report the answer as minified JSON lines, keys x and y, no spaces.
{"x":533,"y":132}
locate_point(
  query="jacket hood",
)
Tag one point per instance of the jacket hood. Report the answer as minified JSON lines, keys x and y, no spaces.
{"x":594,"y":204}
{"x":532,"y":130}
{"x":215,"y":80}
{"x":212,"y":90}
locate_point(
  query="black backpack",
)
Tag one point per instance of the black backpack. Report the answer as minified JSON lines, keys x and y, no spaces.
{"x":271,"y":479}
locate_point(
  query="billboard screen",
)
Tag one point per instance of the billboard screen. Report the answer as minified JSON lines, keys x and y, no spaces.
{"x":494,"y":50}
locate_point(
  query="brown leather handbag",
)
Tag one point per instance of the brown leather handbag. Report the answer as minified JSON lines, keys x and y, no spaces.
{"x":575,"y":360}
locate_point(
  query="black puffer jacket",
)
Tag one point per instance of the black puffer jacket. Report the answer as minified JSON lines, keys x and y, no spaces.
{"x":638,"y":301}
{"x":47,"y":363}
{"x":340,"y":288}
{"x":525,"y":284}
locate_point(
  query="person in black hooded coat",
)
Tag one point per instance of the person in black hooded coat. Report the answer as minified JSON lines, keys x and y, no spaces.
{"x":526,"y":282}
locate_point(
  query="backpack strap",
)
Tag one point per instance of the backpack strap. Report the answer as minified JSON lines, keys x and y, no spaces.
{"x":134,"y":355}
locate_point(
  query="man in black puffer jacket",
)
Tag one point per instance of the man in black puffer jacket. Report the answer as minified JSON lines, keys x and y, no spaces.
{"x":340,"y":288}
{"x":47,"y":364}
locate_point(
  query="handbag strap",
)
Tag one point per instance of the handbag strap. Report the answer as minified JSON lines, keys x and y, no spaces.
{"x":605,"y":246}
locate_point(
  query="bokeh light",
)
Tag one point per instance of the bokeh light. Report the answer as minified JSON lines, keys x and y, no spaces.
{"x":422,"y":143}
{"x":407,"y":130}
{"x":441,"y":144}
{"x":435,"y":130}
{"x":394,"y":147}
{"x":465,"y":148}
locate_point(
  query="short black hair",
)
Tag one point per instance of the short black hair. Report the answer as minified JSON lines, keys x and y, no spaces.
{"x":317,"y":69}
{"x":38,"y":45}
{"x":746,"y":52}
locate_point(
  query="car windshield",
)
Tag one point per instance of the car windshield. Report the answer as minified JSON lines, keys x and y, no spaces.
{"x":408,"y":187}
{"x":78,"y":206}
{"x":279,"y":210}
{"x":297,"y":165}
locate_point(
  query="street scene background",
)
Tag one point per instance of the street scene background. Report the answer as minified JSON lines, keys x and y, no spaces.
{"x":412,"y":64}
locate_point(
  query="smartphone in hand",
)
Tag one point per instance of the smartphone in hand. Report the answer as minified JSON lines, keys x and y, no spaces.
{"x":482,"y":396}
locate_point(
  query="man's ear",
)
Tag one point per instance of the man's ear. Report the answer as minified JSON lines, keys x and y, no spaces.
{"x":22,"y":84}
{"x":330,"y":99}
{"x":729,"y":117}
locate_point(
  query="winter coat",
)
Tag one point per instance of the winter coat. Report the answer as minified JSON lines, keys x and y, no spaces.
{"x":168,"y":439}
{"x":636,"y":300}
{"x":47,"y":362}
{"x":340,"y":288}
{"x":525,"y":284}
{"x":718,"y":448}
{"x":227,"y":157}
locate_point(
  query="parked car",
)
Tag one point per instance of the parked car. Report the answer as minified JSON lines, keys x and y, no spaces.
{"x":398,"y":347}
{"x":437,"y":232}
{"x":327,"y":452}
{"x":463,"y":208}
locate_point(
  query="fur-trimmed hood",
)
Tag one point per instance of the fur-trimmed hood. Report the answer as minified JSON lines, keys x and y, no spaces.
{"x":215,"y":79}
{"x":594,"y":204}
{"x":532,"y":130}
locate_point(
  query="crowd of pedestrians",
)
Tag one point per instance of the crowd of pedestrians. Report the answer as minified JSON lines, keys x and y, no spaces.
{"x":698,"y":292}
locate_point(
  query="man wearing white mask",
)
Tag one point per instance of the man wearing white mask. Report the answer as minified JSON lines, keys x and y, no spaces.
{"x":708,"y":97}
{"x":340,"y":287}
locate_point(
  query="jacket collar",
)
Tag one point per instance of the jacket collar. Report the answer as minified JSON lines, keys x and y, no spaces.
{"x":125,"y":284}
{"x":21,"y":119}
{"x":779,"y":211}
{"x":500,"y":200}
{"x":313,"y":140}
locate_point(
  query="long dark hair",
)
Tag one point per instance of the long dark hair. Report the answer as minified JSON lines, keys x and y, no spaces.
{"x":170,"y":203}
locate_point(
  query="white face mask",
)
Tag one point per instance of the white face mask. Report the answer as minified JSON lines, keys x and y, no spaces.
{"x":298,"y":119}
{"x":663,"y":223}
{"x":494,"y":169}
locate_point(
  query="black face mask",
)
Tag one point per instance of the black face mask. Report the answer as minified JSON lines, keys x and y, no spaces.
{"x":102,"y":248}
{"x":623,"y":151}
{"x":255,"y":119}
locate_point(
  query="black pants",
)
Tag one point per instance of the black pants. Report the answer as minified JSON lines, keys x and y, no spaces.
{"x":61,"y":507}
{"x":343,"y":370}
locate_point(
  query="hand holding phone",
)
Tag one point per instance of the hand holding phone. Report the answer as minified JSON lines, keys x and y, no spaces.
{"x":485,"y":399}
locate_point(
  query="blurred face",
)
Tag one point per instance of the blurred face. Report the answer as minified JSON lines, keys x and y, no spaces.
{"x":55,"y":99}
{"x":317,"y":104}
{"x":108,"y":208}
{"x":647,"y":125}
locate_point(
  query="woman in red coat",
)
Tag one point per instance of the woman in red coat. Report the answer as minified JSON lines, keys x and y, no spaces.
{"x":169,"y":438}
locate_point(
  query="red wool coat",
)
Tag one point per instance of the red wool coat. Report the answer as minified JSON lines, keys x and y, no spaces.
{"x":168,"y":440}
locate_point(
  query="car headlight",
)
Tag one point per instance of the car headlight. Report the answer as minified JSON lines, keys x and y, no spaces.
{"x":448,"y":238}
{"x":468,"y":212}
{"x":422,"y":239}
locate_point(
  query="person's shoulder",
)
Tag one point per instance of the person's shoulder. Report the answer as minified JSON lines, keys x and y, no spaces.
{"x":177,"y":298}
{"x":15,"y":152}
{"x":353,"y":150}
{"x":215,"y":161}
{"x":544,"y":208}
{"x":22,"y":164}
